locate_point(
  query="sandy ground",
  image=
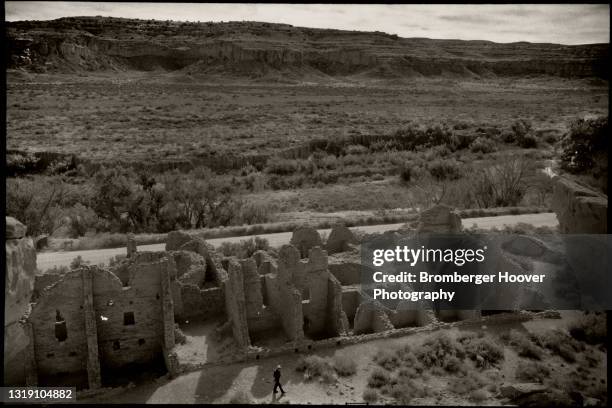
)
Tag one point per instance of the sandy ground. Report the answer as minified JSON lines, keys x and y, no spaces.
{"x":202,"y":344}
{"x":218,"y":384}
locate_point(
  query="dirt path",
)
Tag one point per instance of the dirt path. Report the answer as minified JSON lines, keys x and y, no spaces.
{"x":218,"y":384}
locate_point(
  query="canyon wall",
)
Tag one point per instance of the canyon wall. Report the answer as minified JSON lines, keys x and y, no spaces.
{"x":92,"y":44}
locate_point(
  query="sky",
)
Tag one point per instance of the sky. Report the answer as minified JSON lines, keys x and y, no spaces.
{"x":551,"y":23}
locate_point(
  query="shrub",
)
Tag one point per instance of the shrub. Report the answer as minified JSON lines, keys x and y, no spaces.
{"x":483,"y":145}
{"x":532,"y":371}
{"x":370,"y":396}
{"x":387,"y":359}
{"x":245,"y":248}
{"x":502,"y":185}
{"x":379,"y":377}
{"x":249,"y":212}
{"x":483,"y":351}
{"x":356,"y":149}
{"x":466,"y":384}
{"x":282,"y":167}
{"x":528,"y":141}
{"x":585,"y":147}
{"x":37,"y":203}
{"x":523,"y":345}
{"x":520,"y":128}
{"x":78,"y":262}
{"x":479,"y":395}
{"x":405,"y":391}
{"x":453,"y":365}
{"x":462,"y":141}
{"x":81,"y":220}
{"x":591,"y":328}
{"x":445,"y":169}
{"x":438,"y":350}
{"x":316,"y":367}
{"x":561,"y":344}
{"x":345,"y":366}
{"x":508,"y":137}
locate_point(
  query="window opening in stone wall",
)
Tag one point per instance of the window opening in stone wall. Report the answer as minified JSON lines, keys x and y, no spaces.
{"x":128,"y":319}
{"x":116,"y":345}
{"x":141,"y":342}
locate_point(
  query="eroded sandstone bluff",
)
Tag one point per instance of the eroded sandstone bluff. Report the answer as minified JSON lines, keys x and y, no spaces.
{"x":256,"y":49}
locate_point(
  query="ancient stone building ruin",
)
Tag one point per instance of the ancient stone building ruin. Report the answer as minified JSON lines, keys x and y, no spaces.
{"x":89,"y":325}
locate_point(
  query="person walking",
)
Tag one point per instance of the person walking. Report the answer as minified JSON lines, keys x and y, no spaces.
{"x":277,"y":376}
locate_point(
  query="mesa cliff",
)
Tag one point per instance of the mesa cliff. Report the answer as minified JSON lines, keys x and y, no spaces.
{"x":255,"y":50}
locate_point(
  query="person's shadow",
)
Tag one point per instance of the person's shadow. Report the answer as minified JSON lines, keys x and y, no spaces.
{"x":276,"y":397}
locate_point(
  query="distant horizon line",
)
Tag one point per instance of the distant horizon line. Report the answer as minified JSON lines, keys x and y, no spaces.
{"x":296,"y":26}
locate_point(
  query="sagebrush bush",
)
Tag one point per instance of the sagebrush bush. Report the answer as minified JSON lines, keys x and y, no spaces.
{"x":532,"y":371}
{"x":521,"y":127}
{"x":387,"y":359}
{"x":483,"y":145}
{"x":523,"y":344}
{"x":466,"y":384}
{"x":439,"y":350}
{"x":561,"y":344}
{"x":344,"y":365}
{"x":244,"y":248}
{"x":316,"y":367}
{"x":585,"y":147}
{"x":379,"y":377}
{"x":590,"y":328}
{"x":501,"y":185}
{"x":528,"y":141}
{"x":405,"y":391}
{"x":370,"y":396}
{"x":482,"y":350}
{"x":445,"y":169}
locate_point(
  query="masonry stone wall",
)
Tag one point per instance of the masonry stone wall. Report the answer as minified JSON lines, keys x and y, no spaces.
{"x":235,"y":303}
{"x":580,"y":209}
{"x":351,"y":299}
{"x":347,"y":272}
{"x":90,"y":322}
{"x":19,"y":284}
{"x":371,"y":317}
{"x":60,"y":339}
{"x":201,"y":304}
{"x":132,"y":328}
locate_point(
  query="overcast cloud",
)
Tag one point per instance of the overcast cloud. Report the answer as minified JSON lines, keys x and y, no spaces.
{"x":554,"y":23}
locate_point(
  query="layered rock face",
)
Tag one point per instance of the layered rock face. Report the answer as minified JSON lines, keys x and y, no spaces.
{"x":19,"y":284}
{"x":95,"y":43}
{"x":580,"y":210}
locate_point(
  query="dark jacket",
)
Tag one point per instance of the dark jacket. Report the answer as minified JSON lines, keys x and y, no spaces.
{"x":277,"y":374}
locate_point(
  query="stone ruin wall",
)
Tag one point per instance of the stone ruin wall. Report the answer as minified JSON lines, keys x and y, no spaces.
{"x":19,"y":285}
{"x":90,"y":322}
{"x":580,"y":209}
{"x":303,"y":293}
